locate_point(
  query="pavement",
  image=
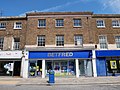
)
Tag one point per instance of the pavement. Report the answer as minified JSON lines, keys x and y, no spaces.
{"x":61,"y":81}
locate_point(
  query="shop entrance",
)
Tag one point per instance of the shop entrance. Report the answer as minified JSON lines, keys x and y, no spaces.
{"x":35,"y":68}
{"x":17,"y":68}
{"x":85,"y":68}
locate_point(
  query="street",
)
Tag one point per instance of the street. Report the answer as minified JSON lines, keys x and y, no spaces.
{"x":60,"y":87}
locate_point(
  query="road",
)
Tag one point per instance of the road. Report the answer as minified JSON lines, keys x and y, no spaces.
{"x":60,"y":87}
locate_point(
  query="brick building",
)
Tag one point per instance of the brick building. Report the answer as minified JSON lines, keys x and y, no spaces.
{"x":70,"y":43}
{"x":12,"y":42}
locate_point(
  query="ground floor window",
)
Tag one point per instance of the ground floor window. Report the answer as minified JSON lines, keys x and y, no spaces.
{"x":61,"y":67}
{"x":10,"y":68}
{"x":113,"y":65}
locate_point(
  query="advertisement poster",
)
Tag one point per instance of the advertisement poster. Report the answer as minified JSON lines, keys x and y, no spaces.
{"x":113,"y":64}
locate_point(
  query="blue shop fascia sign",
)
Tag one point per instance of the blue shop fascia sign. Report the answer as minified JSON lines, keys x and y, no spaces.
{"x":60,"y":54}
{"x":107,"y":53}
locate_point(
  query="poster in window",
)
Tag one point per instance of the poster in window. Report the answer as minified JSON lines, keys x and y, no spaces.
{"x":113,"y":64}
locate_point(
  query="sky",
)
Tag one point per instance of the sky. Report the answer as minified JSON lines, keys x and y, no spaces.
{"x":20,"y":7}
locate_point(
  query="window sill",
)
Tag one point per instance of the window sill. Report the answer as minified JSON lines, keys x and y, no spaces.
{"x":116,"y":27}
{"x":17,"y":28}
{"x":41,"y":27}
{"x":101,"y":27}
{"x":2,"y":29}
{"x":59,"y":26}
{"x":77,"y":26}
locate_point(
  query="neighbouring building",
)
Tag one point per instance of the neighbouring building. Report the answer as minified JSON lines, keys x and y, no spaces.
{"x":69,"y":43}
{"x":12,"y":42}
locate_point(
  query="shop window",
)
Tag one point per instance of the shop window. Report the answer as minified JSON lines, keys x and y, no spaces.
{"x":59,"y":40}
{"x":77,"y":22}
{"x":41,"y":40}
{"x":78,"y":39}
{"x":117,"y":40}
{"x":115,"y":23}
{"x":100,"y":23}
{"x":1,"y":43}
{"x":113,"y":66}
{"x":16,"y":43}
{"x":103,"y":42}
{"x":18,"y":25}
{"x":42,"y":23}
{"x":2,"y":25}
{"x":59,"y":22}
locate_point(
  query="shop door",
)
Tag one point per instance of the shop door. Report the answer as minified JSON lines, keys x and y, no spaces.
{"x":39,"y":68}
{"x":17,"y":68}
{"x":32,"y":68}
{"x":82,"y":68}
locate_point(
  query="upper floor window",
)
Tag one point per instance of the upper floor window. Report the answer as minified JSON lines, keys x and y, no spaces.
{"x":41,"y":40}
{"x":117,"y":40}
{"x":2,"y":25}
{"x":16,"y":43}
{"x":100,"y":23}
{"x":103,"y":42}
{"x":115,"y":23}
{"x":59,"y":22}
{"x":42,"y":23}
{"x":18,"y":25}
{"x":77,"y":22}
{"x":78,"y":39}
{"x":59,"y":40}
{"x":1,"y":43}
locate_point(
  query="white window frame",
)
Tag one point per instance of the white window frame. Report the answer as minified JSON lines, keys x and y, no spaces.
{"x":2,"y":25}
{"x":59,"y":24}
{"x":117,"y":41}
{"x":19,"y":26}
{"x":59,"y":41}
{"x":78,"y":40}
{"x":41,"y":22}
{"x":104,"y":42}
{"x":100,"y":23}
{"x":78,"y":23}
{"x":116,"y":23}
{"x":42,"y":42}
{"x":16,"y":44}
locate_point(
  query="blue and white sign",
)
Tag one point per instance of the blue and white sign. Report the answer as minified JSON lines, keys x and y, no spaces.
{"x":60,"y":54}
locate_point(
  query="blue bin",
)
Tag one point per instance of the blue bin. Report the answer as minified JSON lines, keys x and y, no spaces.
{"x":51,"y":77}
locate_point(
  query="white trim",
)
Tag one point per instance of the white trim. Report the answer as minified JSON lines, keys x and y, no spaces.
{"x":77,"y":67}
{"x":43,"y":68}
{"x":94,"y":63}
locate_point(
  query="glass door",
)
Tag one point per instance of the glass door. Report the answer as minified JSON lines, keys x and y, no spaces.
{"x":82,"y":68}
{"x":32,"y":68}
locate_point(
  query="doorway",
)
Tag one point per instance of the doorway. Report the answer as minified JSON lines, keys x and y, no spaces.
{"x":85,"y":68}
{"x":17,"y":68}
{"x":35,"y":68}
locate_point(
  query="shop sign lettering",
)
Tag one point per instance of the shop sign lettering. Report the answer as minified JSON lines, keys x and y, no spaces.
{"x":60,"y":54}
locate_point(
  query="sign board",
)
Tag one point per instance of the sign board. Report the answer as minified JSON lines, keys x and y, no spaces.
{"x":10,"y":54}
{"x":60,"y":54}
{"x":113,"y":64}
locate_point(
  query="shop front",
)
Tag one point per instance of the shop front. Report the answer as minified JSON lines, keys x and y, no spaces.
{"x":108,"y":62}
{"x":63,"y":63}
{"x":10,"y":63}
